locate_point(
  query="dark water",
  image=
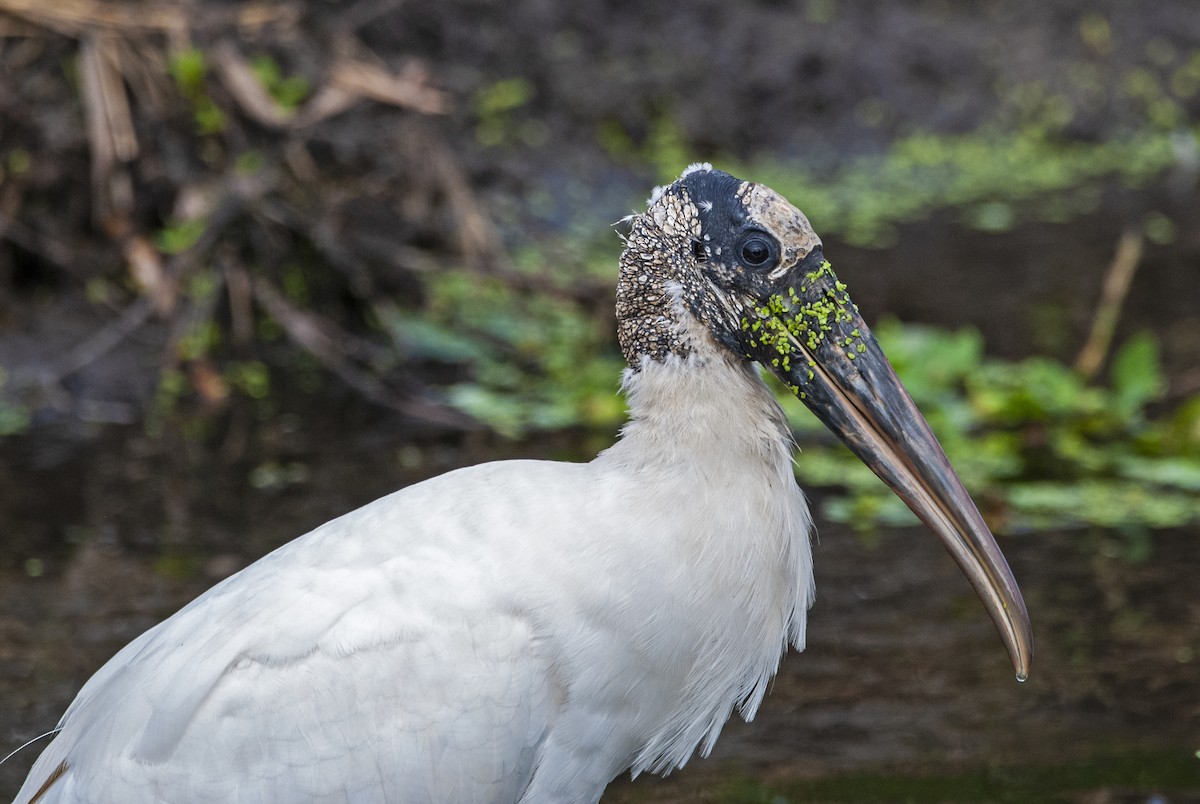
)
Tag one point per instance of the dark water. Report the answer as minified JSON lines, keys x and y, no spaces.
{"x":905,"y":693}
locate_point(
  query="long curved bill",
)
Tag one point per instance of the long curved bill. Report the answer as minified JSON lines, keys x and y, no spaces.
{"x":811,"y":335}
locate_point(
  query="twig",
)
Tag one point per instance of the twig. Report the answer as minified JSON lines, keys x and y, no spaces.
{"x":408,"y":89}
{"x":478,"y":238}
{"x":241,"y":300}
{"x":147,"y":271}
{"x":110,"y":128}
{"x":1112,"y":297}
{"x":109,"y":336}
{"x":313,"y":334}
{"x":76,"y":17}
{"x":36,"y":242}
{"x":331,"y":244}
{"x":358,"y":72}
{"x":239,"y":78}
{"x":101,"y":342}
{"x":116,"y":102}
{"x":351,"y":81}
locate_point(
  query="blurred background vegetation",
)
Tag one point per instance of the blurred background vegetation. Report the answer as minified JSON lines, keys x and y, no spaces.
{"x":306,"y":251}
{"x":213,"y":205}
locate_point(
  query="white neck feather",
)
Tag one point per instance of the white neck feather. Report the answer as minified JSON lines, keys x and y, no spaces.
{"x":713,"y":450}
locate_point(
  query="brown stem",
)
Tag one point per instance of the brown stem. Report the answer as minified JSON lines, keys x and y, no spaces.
{"x":1112,"y":296}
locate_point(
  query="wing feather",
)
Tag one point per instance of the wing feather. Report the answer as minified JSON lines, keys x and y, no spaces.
{"x":329,"y":670}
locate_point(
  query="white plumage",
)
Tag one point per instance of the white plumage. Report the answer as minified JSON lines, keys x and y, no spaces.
{"x":515,"y":631}
{"x":442,"y":642}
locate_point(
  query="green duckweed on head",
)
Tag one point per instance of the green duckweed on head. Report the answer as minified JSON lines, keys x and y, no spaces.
{"x":795,"y":324}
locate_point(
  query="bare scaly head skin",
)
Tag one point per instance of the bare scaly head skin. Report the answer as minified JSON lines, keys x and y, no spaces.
{"x":721,"y":266}
{"x":684,"y":256}
{"x":657,"y":261}
{"x":788,"y":224}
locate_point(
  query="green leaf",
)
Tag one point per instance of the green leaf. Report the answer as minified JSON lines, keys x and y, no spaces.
{"x":1136,"y":375}
{"x":1181,"y":473}
{"x":189,"y":67}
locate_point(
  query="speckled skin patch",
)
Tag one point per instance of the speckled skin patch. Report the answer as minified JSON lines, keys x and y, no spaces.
{"x":656,"y":264}
{"x":682,"y":260}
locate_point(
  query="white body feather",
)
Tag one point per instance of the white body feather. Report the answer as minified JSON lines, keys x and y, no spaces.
{"x":516,"y":631}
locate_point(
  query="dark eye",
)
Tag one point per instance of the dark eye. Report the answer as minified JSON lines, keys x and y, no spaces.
{"x":757,"y":250}
{"x":698,"y":251}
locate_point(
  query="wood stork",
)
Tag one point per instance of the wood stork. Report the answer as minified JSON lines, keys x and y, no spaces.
{"x":528,"y":630}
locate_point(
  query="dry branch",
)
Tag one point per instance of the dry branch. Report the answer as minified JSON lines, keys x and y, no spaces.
{"x":101,"y":342}
{"x":75,"y":18}
{"x":35,"y":242}
{"x":155,"y":134}
{"x":351,"y":81}
{"x":408,"y":89}
{"x":1112,"y":296}
{"x":326,"y":342}
{"x":239,"y":78}
{"x":108,"y":337}
{"x":111,"y":135}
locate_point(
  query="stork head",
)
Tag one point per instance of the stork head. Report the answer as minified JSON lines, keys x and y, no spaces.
{"x":745,"y":264}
